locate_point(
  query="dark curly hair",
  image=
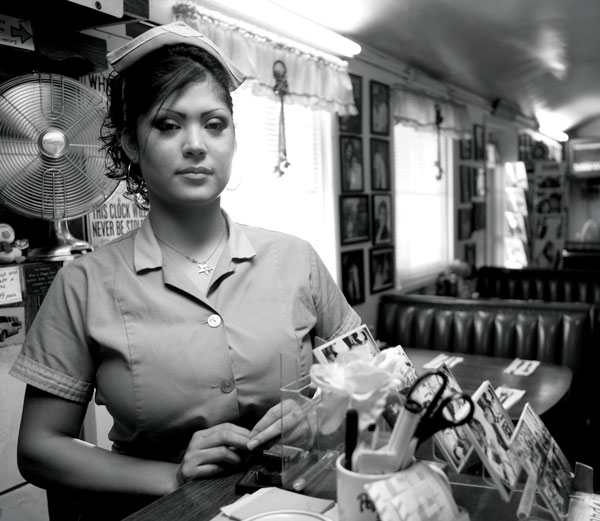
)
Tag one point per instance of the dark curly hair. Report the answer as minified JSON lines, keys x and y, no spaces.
{"x":144,"y":85}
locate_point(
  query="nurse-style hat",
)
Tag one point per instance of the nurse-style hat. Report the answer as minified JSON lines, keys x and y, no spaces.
{"x":170,"y":34}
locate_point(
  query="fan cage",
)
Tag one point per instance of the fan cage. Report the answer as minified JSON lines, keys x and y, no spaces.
{"x":52,"y":165}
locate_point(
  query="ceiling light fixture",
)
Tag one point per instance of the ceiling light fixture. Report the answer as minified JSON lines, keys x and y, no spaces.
{"x":282,"y":21}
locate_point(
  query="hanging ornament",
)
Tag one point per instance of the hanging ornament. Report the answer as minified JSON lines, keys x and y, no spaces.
{"x":281,"y":88}
{"x":438,"y":123}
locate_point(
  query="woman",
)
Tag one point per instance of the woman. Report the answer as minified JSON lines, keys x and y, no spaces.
{"x":186,"y":327}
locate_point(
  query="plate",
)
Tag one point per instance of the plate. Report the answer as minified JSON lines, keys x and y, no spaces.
{"x":288,"y":515}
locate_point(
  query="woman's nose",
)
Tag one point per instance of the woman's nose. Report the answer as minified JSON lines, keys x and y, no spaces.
{"x":194,"y":144}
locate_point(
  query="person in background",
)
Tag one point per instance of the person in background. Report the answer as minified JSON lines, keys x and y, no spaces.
{"x":184,"y":328}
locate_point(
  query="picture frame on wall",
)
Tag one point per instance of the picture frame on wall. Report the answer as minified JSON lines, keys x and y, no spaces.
{"x":381,"y":269}
{"x":465,"y":223}
{"x":351,"y":164}
{"x":353,"y":124}
{"x":478,"y":142}
{"x":464,"y":179}
{"x":353,"y":276}
{"x":380,"y":164}
{"x":465,"y":148}
{"x":470,"y":256}
{"x":379,"y":96}
{"x":354,"y":219}
{"x":382,"y":219}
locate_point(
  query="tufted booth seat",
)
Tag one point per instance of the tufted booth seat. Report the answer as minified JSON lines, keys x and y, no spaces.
{"x":539,"y":284}
{"x":557,"y":332}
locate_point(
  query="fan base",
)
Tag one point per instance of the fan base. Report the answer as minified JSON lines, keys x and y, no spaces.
{"x":58,"y":253}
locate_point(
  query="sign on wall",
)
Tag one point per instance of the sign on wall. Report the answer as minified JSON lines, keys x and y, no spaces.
{"x":117,"y":216}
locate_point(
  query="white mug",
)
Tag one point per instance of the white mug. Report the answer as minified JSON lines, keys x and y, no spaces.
{"x":353,"y":502}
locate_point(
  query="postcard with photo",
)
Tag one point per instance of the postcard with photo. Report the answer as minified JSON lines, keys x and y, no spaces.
{"x":454,"y":443}
{"x":359,"y":338}
{"x":554,"y":483}
{"x":491,"y":430}
{"x":531,"y":439}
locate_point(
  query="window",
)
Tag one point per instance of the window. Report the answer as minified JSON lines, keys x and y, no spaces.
{"x":295,"y":202}
{"x":424,"y":225}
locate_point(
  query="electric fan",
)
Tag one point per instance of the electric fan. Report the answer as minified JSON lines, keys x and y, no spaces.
{"x":51,"y":163}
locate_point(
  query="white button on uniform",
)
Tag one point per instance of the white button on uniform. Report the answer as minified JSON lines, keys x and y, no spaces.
{"x":227,"y":386}
{"x":214,"y":321}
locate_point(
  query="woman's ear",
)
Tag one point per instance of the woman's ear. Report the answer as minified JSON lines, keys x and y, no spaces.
{"x":130,"y":145}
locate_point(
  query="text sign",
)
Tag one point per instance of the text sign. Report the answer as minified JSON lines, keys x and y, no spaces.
{"x":10,"y":285}
{"x":16,"y":33}
{"x":114,"y":218}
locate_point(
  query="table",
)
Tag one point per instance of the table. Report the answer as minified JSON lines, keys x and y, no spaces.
{"x":544,"y":388}
{"x":201,"y":500}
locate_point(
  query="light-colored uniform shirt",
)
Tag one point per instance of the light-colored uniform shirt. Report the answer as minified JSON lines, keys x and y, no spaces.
{"x":167,"y":360}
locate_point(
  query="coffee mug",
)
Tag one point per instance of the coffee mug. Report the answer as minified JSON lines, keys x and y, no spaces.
{"x":353,"y":502}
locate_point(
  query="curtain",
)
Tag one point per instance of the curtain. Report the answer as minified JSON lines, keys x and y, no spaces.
{"x":420,"y":110}
{"x":311,"y":78}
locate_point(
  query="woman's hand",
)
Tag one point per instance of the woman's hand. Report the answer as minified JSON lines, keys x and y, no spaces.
{"x":212,"y":450}
{"x":294,"y":421}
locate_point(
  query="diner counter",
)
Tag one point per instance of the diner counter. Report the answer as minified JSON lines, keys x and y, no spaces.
{"x":201,"y":500}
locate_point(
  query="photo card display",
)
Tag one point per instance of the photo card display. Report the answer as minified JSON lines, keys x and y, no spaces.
{"x":490,"y":431}
{"x":544,"y":460}
{"x":454,"y":443}
{"x":359,"y":338}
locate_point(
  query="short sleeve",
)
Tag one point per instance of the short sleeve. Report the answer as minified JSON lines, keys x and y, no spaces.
{"x":55,"y":356}
{"x":334,"y":315}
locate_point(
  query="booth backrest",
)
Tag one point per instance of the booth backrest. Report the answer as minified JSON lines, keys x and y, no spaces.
{"x":561,"y":333}
{"x":539,"y":284}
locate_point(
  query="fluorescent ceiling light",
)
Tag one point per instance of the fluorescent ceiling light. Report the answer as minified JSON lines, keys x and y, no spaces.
{"x":558,"y":135}
{"x":282,"y":21}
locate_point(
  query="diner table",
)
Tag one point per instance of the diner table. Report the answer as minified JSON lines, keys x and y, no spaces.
{"x":201,"y":500}
{"x":544,"y":388}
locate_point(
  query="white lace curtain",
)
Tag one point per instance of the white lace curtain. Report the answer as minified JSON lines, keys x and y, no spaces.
{"x":314,"y":79}
{"x":417,"y":109}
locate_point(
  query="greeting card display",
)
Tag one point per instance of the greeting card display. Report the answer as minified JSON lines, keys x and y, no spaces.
{"x":359,"y":338}
{"x":490,"y":431}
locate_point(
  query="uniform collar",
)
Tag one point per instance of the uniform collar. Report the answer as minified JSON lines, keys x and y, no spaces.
{"x":148,"y":255}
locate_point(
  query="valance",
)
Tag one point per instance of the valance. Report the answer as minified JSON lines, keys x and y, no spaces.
{"x":417,"y":108}
{"x":314,"y":79}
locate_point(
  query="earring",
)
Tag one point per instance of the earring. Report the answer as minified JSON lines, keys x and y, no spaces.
{"x":131,"y":162}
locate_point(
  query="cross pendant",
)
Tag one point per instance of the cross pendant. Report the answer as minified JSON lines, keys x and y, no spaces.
{"x":204,"y":268}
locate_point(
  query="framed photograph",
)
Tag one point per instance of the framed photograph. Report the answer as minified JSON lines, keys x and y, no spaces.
{"x":464,"y":178}
{"x":470,"y":255}
{"x":491,"y":430}
{"x":382,"y":219}
{"x":353,"y":124}
{"x":465,"y":224}
{"x":354,"y":218}
{"x":359,"y":338}
{"x":479,"y":216}
{"x":351,"y":164}
{"x":353,"y":276}
{"x":465,"y":148}
{"x":479,"y":142}
{"x":380,"y":108}
{"x":381,"y":269}
{"x":380,"y":165}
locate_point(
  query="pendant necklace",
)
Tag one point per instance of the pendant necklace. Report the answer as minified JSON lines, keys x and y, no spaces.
{"x":203,"y":266}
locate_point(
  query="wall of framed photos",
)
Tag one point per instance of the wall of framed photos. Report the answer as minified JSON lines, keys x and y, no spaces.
{"x":365,"y":191}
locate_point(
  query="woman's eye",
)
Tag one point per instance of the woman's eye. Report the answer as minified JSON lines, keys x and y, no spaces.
{"x":166,"y":125}
{"x":216,"y":124}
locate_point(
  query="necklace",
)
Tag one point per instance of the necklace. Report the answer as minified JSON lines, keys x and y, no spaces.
{"x":203,"y":266}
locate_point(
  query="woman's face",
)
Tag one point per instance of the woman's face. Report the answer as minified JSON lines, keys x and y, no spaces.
{"x":186,"y":146}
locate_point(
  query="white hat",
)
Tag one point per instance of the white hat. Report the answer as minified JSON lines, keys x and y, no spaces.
{"x":170,"y":34}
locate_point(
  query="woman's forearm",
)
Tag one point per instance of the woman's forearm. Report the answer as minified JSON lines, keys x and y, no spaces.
{"x":78,"y":464}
